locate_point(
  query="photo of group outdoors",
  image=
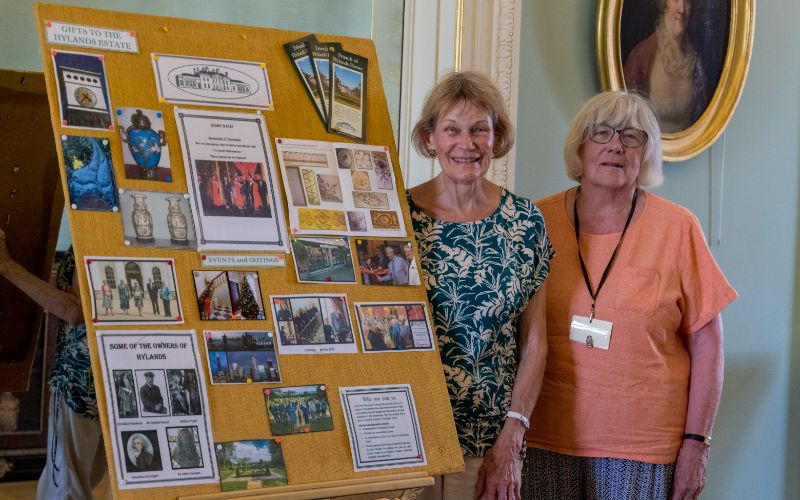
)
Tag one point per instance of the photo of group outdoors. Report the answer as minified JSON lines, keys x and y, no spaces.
{"x":323,"y":260}
{"x":228,"y":295}
{"x":294,"y":410}
{"x":233,"y":189}
{"x":184,"y":448}
{"x":397,"y":326}
{"x":239,"y":357}
{"x":142,"y":453}
{"x":247,"y":465}
{"x":320,"y":321}
{"x":387,"y":262}
{"x":133,"y":291}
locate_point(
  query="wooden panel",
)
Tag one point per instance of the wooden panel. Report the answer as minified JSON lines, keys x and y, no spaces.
{"x":30,"y":211}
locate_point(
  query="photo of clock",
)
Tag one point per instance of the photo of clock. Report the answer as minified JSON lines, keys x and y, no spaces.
{"x":85,"y":97}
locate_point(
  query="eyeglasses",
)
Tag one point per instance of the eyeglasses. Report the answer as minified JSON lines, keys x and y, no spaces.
{"x":629,"y":137}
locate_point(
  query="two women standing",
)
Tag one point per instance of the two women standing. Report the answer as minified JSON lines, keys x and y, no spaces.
{"x":626,"y":400}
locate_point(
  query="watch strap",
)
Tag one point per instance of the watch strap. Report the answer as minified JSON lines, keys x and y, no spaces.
{"x":706,"y":440}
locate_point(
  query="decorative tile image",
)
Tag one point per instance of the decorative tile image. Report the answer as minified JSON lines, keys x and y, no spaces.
{"x":90,"y":173}
{"x":245,"y":465}
{"x":354,"y":158}
{"x":384,"y":219}
{"x":323,"y":260}
{"x":330,"y":189}
{"x":242,"y":357}
{"x":360,"y":180}
{"x":310,"y":218}
{"x":383,"y":170}
{"x":368,"y":199}
{"x":309,"y":178}
{"x":295,"y":190}
{"x":356,"y":220}
{"x":294,"y":410}
{"x":228,"y":295}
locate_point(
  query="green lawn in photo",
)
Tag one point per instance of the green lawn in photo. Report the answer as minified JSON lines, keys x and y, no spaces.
{"x":234,"y":486}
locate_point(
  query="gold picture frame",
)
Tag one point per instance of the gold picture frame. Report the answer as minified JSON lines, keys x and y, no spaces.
{"x":698,"y":136}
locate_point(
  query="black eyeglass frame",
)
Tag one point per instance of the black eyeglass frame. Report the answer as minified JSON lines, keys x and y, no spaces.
{"x":590,"y":135}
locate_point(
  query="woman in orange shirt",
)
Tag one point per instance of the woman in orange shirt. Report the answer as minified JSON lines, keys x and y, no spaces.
{"x":634,"y":369}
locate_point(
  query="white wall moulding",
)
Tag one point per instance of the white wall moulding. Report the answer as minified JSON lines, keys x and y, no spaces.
{"x":443,"y":35}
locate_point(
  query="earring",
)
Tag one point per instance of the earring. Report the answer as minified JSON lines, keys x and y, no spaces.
{"x":432,"y":152}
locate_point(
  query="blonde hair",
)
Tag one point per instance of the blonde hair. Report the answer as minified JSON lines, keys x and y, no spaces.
{"x":468,"y":87}
{"x":617,"y":109}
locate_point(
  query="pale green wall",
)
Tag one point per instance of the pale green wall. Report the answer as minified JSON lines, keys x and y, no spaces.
{"x":756,"y":450}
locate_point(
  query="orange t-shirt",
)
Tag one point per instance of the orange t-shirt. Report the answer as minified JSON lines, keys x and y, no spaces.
{"x":629,"y":401}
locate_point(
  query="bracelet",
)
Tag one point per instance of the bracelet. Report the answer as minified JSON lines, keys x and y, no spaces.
{"x":520,"y":417}
{"x":706,"y":440}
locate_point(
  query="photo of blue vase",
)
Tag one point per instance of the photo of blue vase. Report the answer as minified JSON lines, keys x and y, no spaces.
{"x":145,"y":144}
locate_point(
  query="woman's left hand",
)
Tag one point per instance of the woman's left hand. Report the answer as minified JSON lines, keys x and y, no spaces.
{"x":690,"y":471}
{"x":498,"y":477}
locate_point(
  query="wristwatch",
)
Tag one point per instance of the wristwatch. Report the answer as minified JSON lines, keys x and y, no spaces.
{"x":706,"y":440}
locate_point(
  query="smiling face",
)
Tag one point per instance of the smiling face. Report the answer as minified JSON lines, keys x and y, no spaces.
{"x":611,"y":166}
{"x":676,"y":15}
{"x":464,"y":142}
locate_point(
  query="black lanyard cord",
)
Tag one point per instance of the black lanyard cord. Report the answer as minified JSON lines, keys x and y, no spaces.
{"x":607,"y":271}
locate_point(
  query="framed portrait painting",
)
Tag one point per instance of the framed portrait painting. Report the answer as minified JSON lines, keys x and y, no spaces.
{"x":690,"y":57}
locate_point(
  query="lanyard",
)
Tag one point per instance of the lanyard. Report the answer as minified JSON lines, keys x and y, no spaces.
{"x":613,"y":255}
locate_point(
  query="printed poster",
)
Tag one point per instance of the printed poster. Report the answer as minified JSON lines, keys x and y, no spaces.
{"x":340,"y":189}
{"x":158,"y":409}
{"x":232,"y":182}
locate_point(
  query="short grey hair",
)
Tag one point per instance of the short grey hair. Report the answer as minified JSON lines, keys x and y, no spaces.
{"x":619,"y":109}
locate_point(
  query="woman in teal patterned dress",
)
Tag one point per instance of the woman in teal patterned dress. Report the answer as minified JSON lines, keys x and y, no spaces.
{"x":75,"y":453}
{"x":485,"y":255}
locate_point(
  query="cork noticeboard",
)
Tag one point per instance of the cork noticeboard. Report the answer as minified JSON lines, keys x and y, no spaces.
{"x":238,"y":411}
{"x":30,"y":211}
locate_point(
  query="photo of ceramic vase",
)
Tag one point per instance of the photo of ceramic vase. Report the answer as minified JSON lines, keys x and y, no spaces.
{"x":142,"y":219}
{"x":176,"y":221}
{"x":145,"y":144}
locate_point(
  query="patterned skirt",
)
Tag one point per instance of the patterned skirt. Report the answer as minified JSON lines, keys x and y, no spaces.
{"x":548,"y":475}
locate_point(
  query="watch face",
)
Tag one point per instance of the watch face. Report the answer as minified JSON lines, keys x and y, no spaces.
{"x":85,"y":97}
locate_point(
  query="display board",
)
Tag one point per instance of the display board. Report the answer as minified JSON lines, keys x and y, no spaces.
{"x":218,"y":102}
{"x":30,"y":211}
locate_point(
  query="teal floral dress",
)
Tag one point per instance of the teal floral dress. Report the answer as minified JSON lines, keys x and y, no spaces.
{"x":480,"y":276}
{"x":71,"y":375}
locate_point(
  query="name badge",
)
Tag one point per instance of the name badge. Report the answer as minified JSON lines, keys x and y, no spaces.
{"x":591,"y":333}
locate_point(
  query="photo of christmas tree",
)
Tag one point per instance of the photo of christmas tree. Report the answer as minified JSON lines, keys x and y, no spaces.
{"x":228,"y":295}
